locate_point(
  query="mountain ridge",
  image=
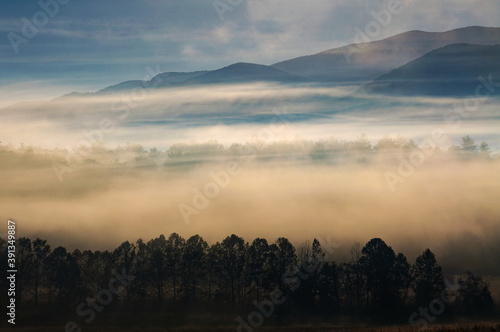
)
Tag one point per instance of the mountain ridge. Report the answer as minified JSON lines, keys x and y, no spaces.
{"x":366,"y":61}
{"x":369,"y":61}
{"x":451,"y":70}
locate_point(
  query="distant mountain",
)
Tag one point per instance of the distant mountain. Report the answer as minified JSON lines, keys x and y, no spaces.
{"x":245,"y":72}
{"x":235,"y":73}
{"x":366,"y":61}
{"x":160,"y":80}
{"x":448,"y":71}
{"x":356,"y":63}
{"x":127,"y":85}
{"x":170,"y":78}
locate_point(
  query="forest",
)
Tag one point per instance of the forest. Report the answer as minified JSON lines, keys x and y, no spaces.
{"x":172,"y":281}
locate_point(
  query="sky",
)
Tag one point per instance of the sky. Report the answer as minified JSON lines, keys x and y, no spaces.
{"x":86,"y":46}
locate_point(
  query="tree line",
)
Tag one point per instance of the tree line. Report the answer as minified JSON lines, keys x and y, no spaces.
{"x":173,"y":271}
{"x":358,"y":150}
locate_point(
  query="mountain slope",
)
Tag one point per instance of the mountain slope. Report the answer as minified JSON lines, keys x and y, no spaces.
{"x":366,"y":61}
{"x":356,"y":64}
{"x":127,"y":85}
{"x":245,"y":72}
{"x":160,"y":80}
{"x":171,"y":78}
{"x":235,"y":73}
{"x":448,"y":71}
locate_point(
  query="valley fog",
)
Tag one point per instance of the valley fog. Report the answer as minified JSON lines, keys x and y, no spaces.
{"x":239,"y":112}
{"x":448,"y":203}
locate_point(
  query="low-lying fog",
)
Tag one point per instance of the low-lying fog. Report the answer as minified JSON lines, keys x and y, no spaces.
{"x":449,"y":202}
{"x":234,"y":113}
{"x":301,"y":184}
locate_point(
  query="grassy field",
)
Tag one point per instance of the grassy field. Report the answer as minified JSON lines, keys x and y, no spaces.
{"x":457,"y":327}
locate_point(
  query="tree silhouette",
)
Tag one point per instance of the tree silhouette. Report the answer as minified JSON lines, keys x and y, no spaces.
{"x":285,"y":260}
{"x":188,"y":276}
{"x":356,"y":276}
{"x":3,"y":273}
{"x":258,"y":262}
{"x":124,"y":257}
{"x":233,"y":260}
{"x":402,"y":272}
{"x":475,"y":295}
{"x":140,"y":270}
{"x":328,"y":286}
{"x":173,"y":250}
{"x":427,"y":278}
{"x":484,"y":147}
{"x":57,"y":269}
{"x":95,"y":266}
{"x":193,"y":265}
{"x":315,"y":265}
{"x":157,"y":264}
{"x":24,"y":267}
{"x":63,"y":275}
{"x":378,"y":261}
{"x":362,"y":144}
{"x":214,"y":266}
{"x":468,"y":144}
{"x":311,"y":261}
{"x":41,"y":251}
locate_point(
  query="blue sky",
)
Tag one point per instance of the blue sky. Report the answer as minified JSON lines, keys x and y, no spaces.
{"x":88,"y":45}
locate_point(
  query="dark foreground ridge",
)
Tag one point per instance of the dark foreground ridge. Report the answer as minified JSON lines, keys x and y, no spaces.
{"x":173,"y":282}
{"x":454,"y":70}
